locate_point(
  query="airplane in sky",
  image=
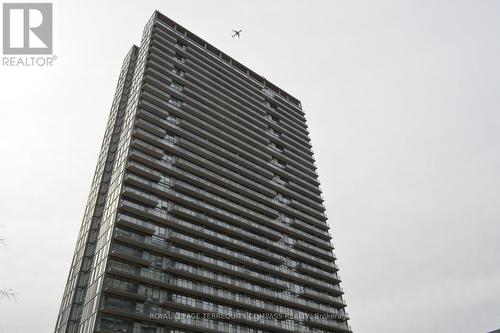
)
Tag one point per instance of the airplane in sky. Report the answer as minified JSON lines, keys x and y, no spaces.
{"x":237,"y":33}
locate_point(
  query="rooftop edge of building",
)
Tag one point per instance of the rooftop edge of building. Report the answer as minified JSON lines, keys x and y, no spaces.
{"x":292,"y":101}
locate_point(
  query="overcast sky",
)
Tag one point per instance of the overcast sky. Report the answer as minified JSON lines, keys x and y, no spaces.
{"x":402,"y":101}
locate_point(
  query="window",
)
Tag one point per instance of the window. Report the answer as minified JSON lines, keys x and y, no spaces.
{"x":175,"y":102}
{"x":121,"y":284}
{"x":179,"y":57}
{"x":148,"y":329}
{"x":268,"y":92}
{"x":170,"y":137}
{"x":178,"y":71}
{"x":176,"y":86}
{"x":283,"y":199}
{"x":113,"y":324}
{"x":272,"y":118}
{"x":291,"y":263}
{"x":271,"y":106}
{"x":296,"y":288}
{"x":119,"y":304}
{"x":173,"y":119}
{"x":278,"y":163}
{"x":274,"y":132}
{"x":275,"y":147}
{"x":168,"y":158}
{"x":180,"y":45}
{"x":286,"y":219}
{"x":279,"y":180}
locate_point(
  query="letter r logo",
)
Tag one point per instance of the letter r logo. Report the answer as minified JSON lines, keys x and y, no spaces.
{"x":27,"y":28}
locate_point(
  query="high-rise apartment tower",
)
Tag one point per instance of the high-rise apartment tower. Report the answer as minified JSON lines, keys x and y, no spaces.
{"x":205,"y":213}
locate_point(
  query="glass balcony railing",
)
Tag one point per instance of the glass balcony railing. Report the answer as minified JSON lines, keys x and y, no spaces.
{"x":277,"y":283}
{"x":330,"y":324}
{"x":319,"y":272}
{"x":139,"y":195}
{"x":311,"y":229}
{"x":229,"y":228}
{"x":318,"y":251}
{"x":323,"y":297}
{"x":202,"y":171}
{"x":236,"y":207}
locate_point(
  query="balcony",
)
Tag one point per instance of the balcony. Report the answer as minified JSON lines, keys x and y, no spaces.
{"x":319,"y":273}
{"x":258,"y":229}
{"x":300,"y":145}
{"x":202,"y":231}
{"x":251,"y":165}
{"x":331,"y":325}
{"x":276,"y":296}
{"x":327,"y":255}
{"x":227,"y":77}
{"x":207,"y":106}
{"x":150,"y":213}
{"x":298,"y":138}
{"x":277,"y":164}
{"x":308,"y":210}
{"x":198,"y":259}
{"x":260,"y":175}
{"x":144,"y":171}
{"x":222,"y":280}
{"x":223,"y":139}
{"x":221,"y":178}
{"x":307,"y":257}
{"x":323,"y":297}
{"x":168,"y":123}
{"x":250,"y":236}
{"x":185,"y":323}
{"x":154,"y":163}
{"x":292,"y":114}
{"x":302,"y":178}
{"x":231,"y":229}
{"x":300,"y":161}
{"x":140,"y":196}
{"x":225,"y":267}
{"x":163,"y":247}
{"x":309,"y":191}
{"x":150,"y":103}
{"x":130,"y":258}
{"x":275,"y":148}
{"x":193,"y":288}
{"x":221,"y":202}
{"x":147,"y":148}
{"x":218,"y":84}
{"x":136,"y":224}
{"x":314,"y":203}
{"x":206,"y":144}
{"x":189,"y":201}
{"x":255,"y":251}
{"x":222,"y":191}
{"x":148,"y":127}
{"x":153,"y":142}
{"x":308,"y":218}
{"x":126,"y":293}
{"x":225,"y":105}
{"x":310,"y":229}
{"x":229,"y":128}
{"x":316,"y":240}
{"x":200,"y":244}
{"x":239,"y":316}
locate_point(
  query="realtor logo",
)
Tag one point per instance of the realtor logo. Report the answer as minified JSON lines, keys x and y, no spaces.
{"x":27,"y":28}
